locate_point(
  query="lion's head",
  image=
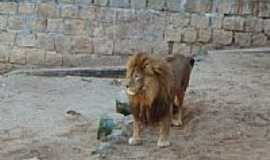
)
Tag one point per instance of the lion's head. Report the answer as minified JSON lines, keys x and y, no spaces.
{"x":149,"y":87}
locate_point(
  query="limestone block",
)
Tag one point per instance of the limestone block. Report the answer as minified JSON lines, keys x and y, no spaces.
{"x":103,"y":46}
{"x":221,"y":37}
{"x":45,"y":41}
{"x":138,"y":4}
{"x":266,"y":26}
{"x":26,"y":39}
{"x":7,"y":38}
{"x":48,"y":10}
{"x":204,"y":35}
{"x":55,"y":26}
{"x":181,"y":48}
{"x":243,"y":39}
{"x":199,"y":21}
{"x":234,"y":23}
{"x":26,"y":8}
{"x":189,"y":35}
{"x":53,"y":59}
{"x":69,"y":11}
{"x":3,"y":22}
{"x":82,"y":44}
{"x":199,"y":6}
{"x":8,"y":7}
{"x":35,"y":56}
{"x":119,"y":3}
{"x":74,"y":27}
{"x":17,"y":56}
{"x":253,"y":24}
{"x":16,"y":22}
{"x":62,"y":43}
{"x":259,"y":39}
{"x":4,"y":53}
{"x":156,"y":4}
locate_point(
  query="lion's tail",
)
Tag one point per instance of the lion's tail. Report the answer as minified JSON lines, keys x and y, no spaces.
{"x":192,"y":61}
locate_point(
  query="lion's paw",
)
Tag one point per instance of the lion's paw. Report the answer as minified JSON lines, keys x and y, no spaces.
{"x":133,"y":141}
{"x":177,"y":123}
{"x":163,"y":144}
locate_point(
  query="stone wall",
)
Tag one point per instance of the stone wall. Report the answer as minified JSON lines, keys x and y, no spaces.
{"x":101,"y":32}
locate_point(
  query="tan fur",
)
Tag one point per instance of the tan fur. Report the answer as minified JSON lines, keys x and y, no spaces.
{"x":153,"y":84}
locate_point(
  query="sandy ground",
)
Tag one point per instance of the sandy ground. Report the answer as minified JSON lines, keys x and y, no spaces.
{"x":227,"y":115}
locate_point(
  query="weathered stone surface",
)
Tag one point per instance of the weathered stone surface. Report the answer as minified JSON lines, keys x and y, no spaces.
{"x":62,"y":43}
{"x":4,"y":53}
{"x":48,"y":10}
{"x":160,"y":47}
{"x":17,"y":56}
{"x":88,"y":12}
{"x":199,"y":6}
{"x":259,"y":39}
{"x":242,"y":39}
{"x":40,"y":24}
{"x":138,"y":4}
{"x":25,"y":39}
{"x":7,"y":38}
{"x":74,"y":27}
{"x":189,"y":35}
{"x":224,"y":6}
{"x":199,"y":21}
{"x":125,"y":46}
{"x":35,"y":56}
{"x":86,"y":60}
{"x":266,"y":26}
{"x":82,"y":44}
{"x":216,"y":21}
{"x":69,"y":11}
{"x":53,"y":59}
{"x":119,"y":3}
{"x":26,"y":8}
{"x":181,"y":48}
{"x":102,"y":2}
{"x":3,"y":22}
{"x":177,"y":20}
{"x":45,"y":41}
{"x":264,"y":9}
{"x":233,"y":23}
{"x":221,"y":37}
{"x":153,"y":25}
{"x":253,"y":24}
{"x":55,"y":25}
{"x":103,"y":46}
{"x":173,"y":34}
{"x":175,"y":5}
{"x":204,"y":35}
{"x":156,"y":4}
{"x":8,"y":7}
{"x":16,"y":22}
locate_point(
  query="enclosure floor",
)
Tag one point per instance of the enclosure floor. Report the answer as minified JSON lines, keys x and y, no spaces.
{"x":227,"y":115}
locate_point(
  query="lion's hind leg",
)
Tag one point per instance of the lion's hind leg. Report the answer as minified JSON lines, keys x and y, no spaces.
{"x":178,"y":110}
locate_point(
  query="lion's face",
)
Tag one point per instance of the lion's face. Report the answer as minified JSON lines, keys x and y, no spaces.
{"x":134,"y":82}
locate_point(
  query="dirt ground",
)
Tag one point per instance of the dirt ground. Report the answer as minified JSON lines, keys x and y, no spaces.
{"x":227,"y":115}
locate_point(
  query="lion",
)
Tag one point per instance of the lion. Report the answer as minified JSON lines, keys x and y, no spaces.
{"x":156,"y":88}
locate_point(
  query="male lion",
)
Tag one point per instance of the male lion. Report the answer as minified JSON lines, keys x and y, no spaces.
{"x":156,"y":89}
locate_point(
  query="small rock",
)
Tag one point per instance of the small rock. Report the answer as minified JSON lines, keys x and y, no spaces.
{"x":72,"y":114}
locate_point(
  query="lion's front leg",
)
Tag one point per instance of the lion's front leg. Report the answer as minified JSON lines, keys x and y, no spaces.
{"x":163,"y":140}
{"x":137,"y":128}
